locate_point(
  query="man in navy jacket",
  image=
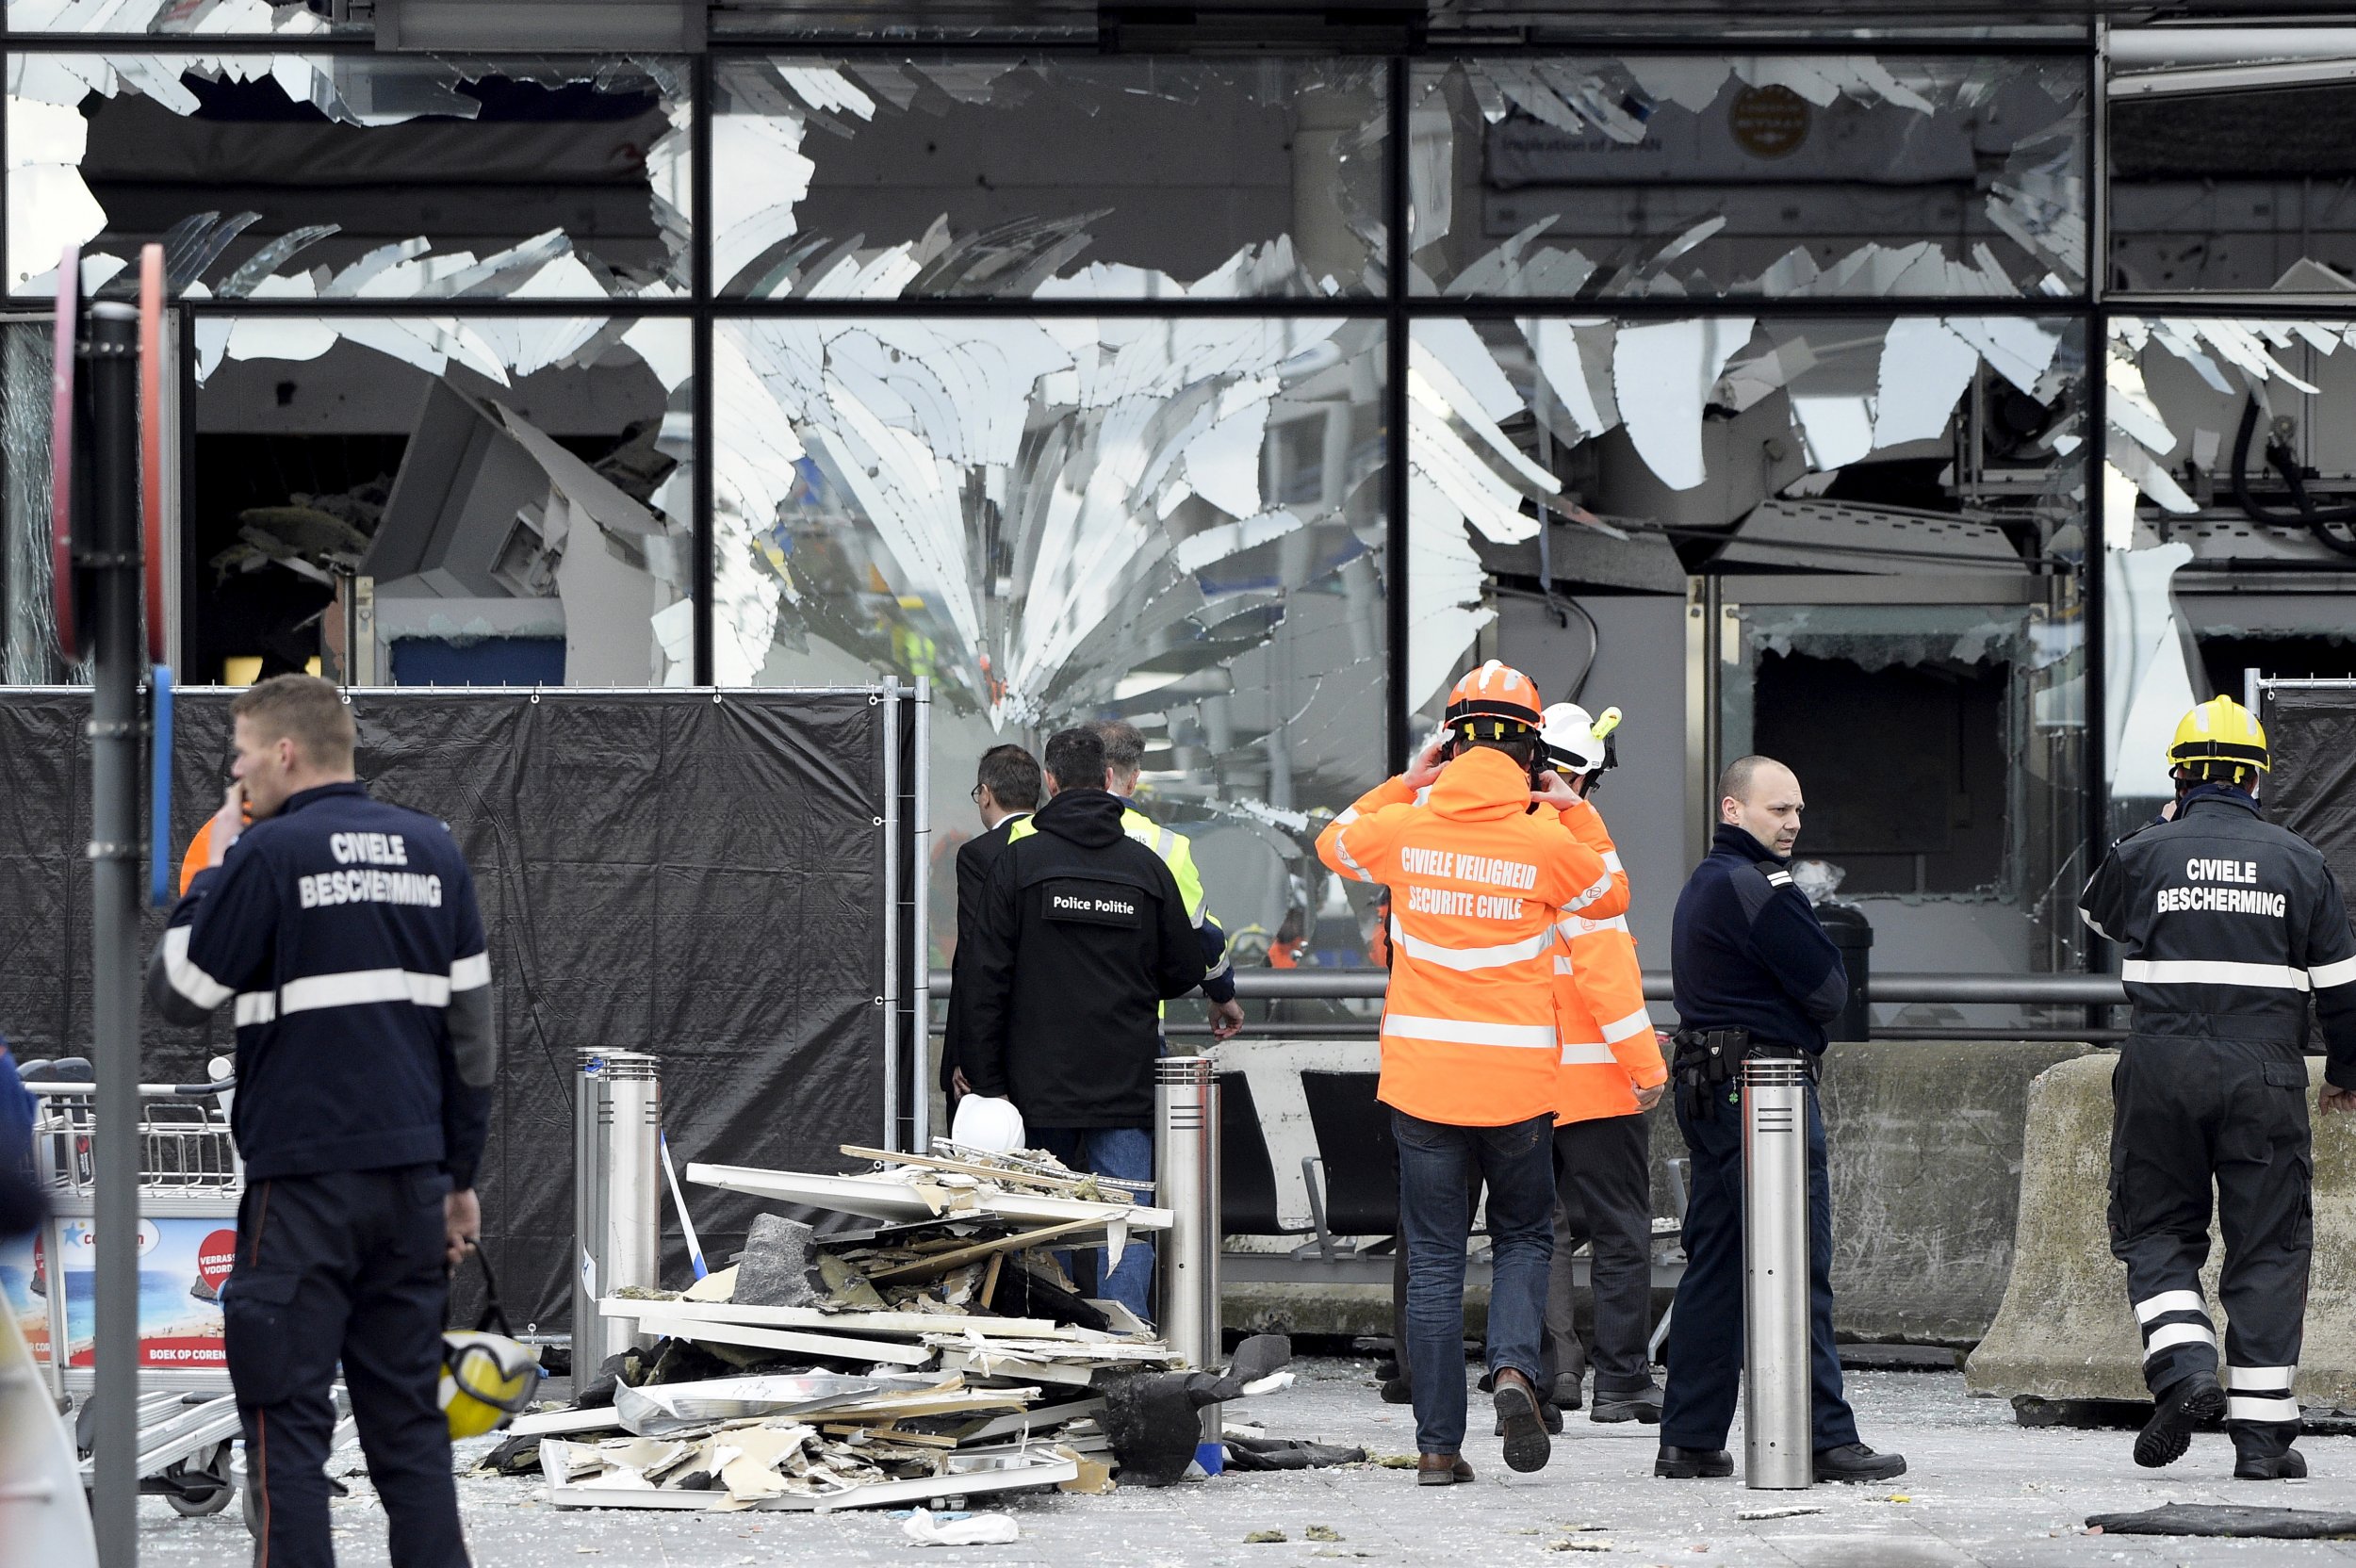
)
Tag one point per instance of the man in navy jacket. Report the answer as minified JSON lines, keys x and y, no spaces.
{"x":1753,"y":969}
{"x":346,"y":932}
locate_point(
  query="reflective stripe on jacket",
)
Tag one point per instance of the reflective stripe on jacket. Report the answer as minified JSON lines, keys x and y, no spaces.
{"x":1609,"y":1049}
{"x":1477,"y":882}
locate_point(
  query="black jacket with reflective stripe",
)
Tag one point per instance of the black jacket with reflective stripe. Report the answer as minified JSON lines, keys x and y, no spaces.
{"x":1083,"y":935}
{"x":2226,"y":924}
{"x":346,"y":932}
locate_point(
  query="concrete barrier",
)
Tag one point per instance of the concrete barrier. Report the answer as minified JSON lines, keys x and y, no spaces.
{"x":2065,"y":1330}
{"x":1927,"y":1161}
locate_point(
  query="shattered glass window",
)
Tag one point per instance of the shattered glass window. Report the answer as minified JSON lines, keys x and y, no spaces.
{"x":251,"y":17}
{"x":1057,"y":178}
{"x":450,"y":500}
{"x":2229,"y":512}
{"x":1763,"y":176}
{"x":28,"y":620}
{"x":1177,"y":522}
{"x":1778,"y":519}
{"x":352,"y":176}
{"x":2227,"y":160}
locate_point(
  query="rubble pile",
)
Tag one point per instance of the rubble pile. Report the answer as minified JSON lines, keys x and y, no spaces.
{"x":923,"y":1342}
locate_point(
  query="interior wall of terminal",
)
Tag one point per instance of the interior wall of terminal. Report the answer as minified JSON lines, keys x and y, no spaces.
{"x":1839,"y":403}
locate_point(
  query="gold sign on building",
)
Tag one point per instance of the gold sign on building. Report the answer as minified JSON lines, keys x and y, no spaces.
{"x":1768,"y":122}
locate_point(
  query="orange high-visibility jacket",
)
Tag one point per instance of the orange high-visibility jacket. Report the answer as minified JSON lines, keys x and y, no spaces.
{"x":1609,"y":1049}
{"x":1477,"y":882}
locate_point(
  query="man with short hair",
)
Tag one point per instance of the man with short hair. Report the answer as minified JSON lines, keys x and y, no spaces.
{"x":1082,"y":935}
{"x":1755,"y":975}
{"x":1124,"y":760}
{"x":346,"y":932}
{"x":1005,"y":791}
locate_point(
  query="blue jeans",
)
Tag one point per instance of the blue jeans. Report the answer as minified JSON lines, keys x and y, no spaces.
{"x":1436,"y":1165}
{"x":1706,"y":1327}
{"x":1122,"y":1153}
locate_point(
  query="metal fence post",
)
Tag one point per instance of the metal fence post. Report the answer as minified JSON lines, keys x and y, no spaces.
{"x":588,"y":1212}
{"x":1776,"y":1455}
{"x":1185,"y":1176}
{"x":617,"y":1194}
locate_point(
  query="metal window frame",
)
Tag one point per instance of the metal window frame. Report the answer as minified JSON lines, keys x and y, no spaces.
{"x":1397,"y":307}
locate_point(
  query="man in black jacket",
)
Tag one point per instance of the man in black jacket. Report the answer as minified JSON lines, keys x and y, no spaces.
{"x":1754,"y":971}
{"x":1006,"y":790}
{"x":1083,"y":935}
{"x":2226,"y":924}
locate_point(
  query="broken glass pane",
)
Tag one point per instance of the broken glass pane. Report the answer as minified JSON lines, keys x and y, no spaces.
{"x":1893,"y":516}
{"x":1174,"y":522}
{"x":253,"y":18}
{"x":465,"y":500}
{"x":363,"y":175}
{"x":1735,"y":176}
{"x":1060,"y":177}
{"x":28,"y":634}
{"x":2229,"y":486}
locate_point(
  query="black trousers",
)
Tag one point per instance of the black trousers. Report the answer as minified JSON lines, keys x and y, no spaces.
{"x":1603,"y":1200}
{"x":1705,"y":1325}
{"x":2186,"y":1113}
{"x":344,"y":1266}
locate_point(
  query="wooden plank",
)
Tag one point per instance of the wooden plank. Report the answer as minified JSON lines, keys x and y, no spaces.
{"x":896,"y":1201}
{"x":657,"y":1322}
{"x":941,"y":1262}
{"x":834,"y":1322}
{"x":991,"y":1172}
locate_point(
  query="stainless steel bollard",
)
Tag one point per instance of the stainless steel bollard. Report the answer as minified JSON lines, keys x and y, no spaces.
{"x":617,"y":1194}
{"x":1776,"y":1452}
{"x":1185,"y":1176}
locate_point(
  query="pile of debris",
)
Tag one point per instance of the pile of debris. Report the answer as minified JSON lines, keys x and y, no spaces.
{"x":933,"y":1347}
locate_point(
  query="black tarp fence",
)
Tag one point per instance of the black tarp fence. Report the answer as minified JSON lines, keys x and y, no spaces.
{"x":689,"y":873}
{"x":2311,"y":787}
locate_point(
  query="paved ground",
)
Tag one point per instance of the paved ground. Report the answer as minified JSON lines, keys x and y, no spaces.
{"x":1981,"y":1491}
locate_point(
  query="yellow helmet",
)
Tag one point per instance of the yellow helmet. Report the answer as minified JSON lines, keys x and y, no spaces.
{"x":2220,"y":738}
{"x":487,"y":1379}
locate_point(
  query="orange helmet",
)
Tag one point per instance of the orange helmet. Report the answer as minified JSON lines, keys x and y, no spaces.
{"x":1495,"y":702}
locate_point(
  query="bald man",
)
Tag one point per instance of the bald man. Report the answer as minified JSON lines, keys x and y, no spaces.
{"x":1755,"y":974}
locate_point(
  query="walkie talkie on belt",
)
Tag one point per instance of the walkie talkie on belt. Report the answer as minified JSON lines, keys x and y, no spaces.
{"x":1704,"y":1060}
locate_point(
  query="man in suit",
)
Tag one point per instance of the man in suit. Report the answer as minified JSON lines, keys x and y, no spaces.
{"x":1006,"y":790}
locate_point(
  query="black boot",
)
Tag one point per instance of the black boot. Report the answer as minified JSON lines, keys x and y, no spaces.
{"x":2193,"y":1399}
{"x":2288,"y":1465}
{"x":1685,"y":1464}
{"x":1641,"y":1404}
{"x":1854,"y":1461}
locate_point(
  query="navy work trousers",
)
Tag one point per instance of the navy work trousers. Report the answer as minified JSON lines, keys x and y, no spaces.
{"x":344,"y":1266}
{"x":1705,"y":1325}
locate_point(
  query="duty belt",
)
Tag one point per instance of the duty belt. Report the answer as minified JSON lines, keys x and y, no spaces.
{"x":1706,"y":1060}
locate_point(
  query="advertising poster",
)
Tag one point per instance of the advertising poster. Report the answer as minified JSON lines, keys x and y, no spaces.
{"x":182,"y":1266}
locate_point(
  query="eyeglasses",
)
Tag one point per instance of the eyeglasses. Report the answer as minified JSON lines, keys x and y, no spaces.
{"x":975,"y":795}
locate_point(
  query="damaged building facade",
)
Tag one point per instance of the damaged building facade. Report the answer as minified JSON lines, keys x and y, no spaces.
{"x":1941,"y":409}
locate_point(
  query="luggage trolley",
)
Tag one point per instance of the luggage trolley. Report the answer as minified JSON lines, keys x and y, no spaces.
{"x":190,"y":1182}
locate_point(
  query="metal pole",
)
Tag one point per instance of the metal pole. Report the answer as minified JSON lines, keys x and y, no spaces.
{"x":589,"y":1183}
{"x":112,"y":560}
{"x":632,"y":1126}
{"x":1186,"y":1175}
{"x":1776,"y":1455}
{"x":888,"y":995}
{"x":919,"y":962}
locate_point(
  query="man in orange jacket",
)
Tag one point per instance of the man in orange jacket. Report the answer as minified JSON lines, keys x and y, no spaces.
{"x":1612,"y":1074}
{"x":1478,"y":874}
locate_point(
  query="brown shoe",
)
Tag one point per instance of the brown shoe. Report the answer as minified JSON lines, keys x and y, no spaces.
{"x":1519,"y":1421}
{"x":1441,"y":1470}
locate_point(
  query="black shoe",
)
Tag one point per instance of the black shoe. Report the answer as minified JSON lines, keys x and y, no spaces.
{"x":1642,"y":1404}
{"x":1854,"y":1461}
{"x":2165,"y":1437}
{"x":1685,"y":1464}
{"x":1547,"y":1412}
{"x":1569,"y":1392}
{"x":1387,"y":1368}
{"x":2288,"y":1465}
{"x":1520,"y":1422}
{"x":1397,"y":1391}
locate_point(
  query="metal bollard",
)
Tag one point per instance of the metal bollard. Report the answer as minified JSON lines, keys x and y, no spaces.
{"x":617,"y":1194}
{"x":1185,"y":1176}
{"x":1776,"y":1453}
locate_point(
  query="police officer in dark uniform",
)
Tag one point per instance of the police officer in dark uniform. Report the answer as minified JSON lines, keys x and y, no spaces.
{"x":345,"y":933}
{"x":2226,"y":924}
{"x":1754,"y":971}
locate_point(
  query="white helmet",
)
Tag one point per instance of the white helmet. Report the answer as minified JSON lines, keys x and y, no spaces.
{"x":986,"y":1123}
{"x":1571,"y":744}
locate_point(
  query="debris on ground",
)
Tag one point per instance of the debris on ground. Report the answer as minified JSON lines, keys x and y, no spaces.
{"x":1265,"y":1538}
{"x":938,"y":1349}
{"x":2226,"y":1519}
{"x":972,"y":1529}
{"x":1321,"y":1533}
{"x":1789,"y":1510}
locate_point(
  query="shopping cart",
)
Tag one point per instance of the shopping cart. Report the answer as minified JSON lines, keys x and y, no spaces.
{"x":190,"y":1182}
